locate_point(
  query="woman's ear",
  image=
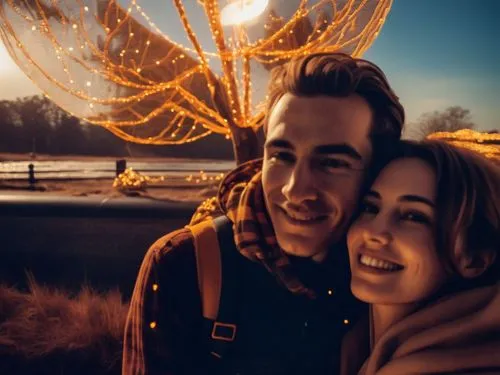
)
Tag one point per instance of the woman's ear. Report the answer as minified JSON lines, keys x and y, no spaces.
{"x":472,"y":266}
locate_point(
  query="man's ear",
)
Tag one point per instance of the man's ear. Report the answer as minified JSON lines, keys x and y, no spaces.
{"x":474,"y":266}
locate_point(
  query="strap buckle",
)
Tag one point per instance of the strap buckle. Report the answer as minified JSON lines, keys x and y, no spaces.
{"x":223,"y":331}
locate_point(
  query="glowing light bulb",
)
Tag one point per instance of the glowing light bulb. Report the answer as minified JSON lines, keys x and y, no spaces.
{"x":241,"y":11}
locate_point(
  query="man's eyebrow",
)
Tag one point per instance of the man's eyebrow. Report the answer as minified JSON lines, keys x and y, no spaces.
{"x":417,"y":198}
{"x":373,"y":194}
{"x":279,"y":143}
{"x":342,"y":148}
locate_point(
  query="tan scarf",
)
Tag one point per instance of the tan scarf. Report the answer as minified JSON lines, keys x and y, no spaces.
{"x":459,"y":333}
{"x":242,"y":200}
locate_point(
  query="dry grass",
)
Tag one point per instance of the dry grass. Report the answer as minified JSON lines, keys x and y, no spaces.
{"x":49,"y":331}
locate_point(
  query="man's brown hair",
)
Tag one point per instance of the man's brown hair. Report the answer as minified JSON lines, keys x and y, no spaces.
{"x":339,"y":75}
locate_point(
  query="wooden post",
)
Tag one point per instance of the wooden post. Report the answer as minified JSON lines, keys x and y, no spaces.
{"x":31,"y":176}
{"x":121,"y":165}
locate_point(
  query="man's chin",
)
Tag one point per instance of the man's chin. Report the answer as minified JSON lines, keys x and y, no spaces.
{"x":300,"y":246}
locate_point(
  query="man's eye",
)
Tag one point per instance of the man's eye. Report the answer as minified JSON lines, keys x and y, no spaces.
{"x":369,"y":208}
{"x":334,"y":163}
{"x":416,"y":217}
{"x":283,"y":156}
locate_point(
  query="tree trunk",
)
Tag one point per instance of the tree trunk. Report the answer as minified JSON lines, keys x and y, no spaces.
{"x":246,"y":145}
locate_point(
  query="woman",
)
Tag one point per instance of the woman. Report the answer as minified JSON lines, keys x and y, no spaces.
{"x":424,"y":253}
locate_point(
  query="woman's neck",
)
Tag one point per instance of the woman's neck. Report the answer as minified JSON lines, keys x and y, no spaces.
{"x":384,"y":316}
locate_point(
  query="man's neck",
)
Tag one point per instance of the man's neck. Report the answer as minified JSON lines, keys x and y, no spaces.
{"x":384,"y":316}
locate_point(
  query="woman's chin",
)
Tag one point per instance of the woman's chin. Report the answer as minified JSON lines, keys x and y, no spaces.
{"x":373,"y":294}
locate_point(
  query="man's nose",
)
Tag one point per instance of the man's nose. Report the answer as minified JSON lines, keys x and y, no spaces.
{"x":300,"y":185}
{"x":377,"y":233}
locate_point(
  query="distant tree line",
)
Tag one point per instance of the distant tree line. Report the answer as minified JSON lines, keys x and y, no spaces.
{"x":36,"y":124}
{"x":451,"y":119}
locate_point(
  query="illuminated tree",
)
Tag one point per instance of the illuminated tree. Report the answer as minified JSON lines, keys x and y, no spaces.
{"x":485,"y":143}
{"x":108,"y":63}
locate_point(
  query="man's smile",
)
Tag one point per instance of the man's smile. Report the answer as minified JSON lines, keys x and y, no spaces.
{"x":303,"y":218}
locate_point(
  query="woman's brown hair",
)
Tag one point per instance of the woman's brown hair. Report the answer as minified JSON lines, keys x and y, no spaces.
{"x":467,"y":201}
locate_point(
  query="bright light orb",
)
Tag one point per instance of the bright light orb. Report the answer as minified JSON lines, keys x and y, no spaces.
{"x":242,"y":11}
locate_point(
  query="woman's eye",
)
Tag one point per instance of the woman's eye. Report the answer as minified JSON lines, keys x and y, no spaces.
{"x":416,"y":217}
{"x":369,"y":208}
{"x":334,"y":163}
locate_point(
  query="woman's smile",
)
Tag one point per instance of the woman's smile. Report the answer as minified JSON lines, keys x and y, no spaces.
{"x":378,"y":264}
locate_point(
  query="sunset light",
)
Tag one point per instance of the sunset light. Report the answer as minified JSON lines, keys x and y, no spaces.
{"x":6,"y":62}
{"x":241,"y":11}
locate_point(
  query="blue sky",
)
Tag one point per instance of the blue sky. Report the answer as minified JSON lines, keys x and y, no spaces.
{"x":436,"y":53}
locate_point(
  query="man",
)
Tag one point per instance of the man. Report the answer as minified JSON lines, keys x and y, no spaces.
{"x":285,"y":281}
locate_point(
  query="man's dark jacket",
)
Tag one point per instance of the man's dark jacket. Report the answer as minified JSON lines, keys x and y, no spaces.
{"x":277,"y":332}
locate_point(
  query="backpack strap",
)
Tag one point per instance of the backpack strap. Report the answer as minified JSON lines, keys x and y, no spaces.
{"x":208,"y":236}
{"x":208,"y":266}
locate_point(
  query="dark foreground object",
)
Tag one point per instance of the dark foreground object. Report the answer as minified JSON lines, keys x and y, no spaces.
{"x":69,"y":241}
{"x":48,"y":323}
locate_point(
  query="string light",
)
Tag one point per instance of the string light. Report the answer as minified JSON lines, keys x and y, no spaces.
{"x":206,"y":210}
{"x":142,"y":86}
{"x":130,"y":180}
{"x":487,"y":144}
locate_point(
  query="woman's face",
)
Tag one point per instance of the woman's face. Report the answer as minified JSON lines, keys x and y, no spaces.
{"x":391,"y":245}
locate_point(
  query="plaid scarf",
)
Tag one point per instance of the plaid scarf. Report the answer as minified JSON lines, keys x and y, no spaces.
{"x":241,"y":198}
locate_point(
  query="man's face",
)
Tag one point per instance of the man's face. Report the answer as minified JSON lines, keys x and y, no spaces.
{"x":315,"y":155}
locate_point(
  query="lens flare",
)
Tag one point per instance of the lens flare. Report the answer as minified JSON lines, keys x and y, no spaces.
{"x":242,"y":11}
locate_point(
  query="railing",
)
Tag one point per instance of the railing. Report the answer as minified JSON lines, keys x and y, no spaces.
{"x":30,"y":205}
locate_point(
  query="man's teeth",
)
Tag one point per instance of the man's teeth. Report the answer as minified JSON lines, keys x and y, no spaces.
{"x":303,"y":218}
{"x":378,"y":263}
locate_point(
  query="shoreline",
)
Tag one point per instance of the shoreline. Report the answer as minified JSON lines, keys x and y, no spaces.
{"x":173,"y":191}
{"x":6,"y":157}
{"x":174,"y":188}
{"x":104,"y":188}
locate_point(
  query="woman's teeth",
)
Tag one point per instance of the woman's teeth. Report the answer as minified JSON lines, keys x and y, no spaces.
{"x":379,"y":263}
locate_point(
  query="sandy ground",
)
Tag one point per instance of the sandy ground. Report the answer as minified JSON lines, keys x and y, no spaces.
{"x":172,"y":189}
{"x":104,"y":187}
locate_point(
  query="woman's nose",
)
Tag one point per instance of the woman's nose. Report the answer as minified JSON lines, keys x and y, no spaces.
{"x":377,"y":233}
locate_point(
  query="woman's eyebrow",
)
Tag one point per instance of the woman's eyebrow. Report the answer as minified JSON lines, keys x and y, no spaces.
{"x":417,"y":198}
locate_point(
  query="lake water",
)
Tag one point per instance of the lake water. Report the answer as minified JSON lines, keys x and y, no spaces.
{"x":106,"y":169}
